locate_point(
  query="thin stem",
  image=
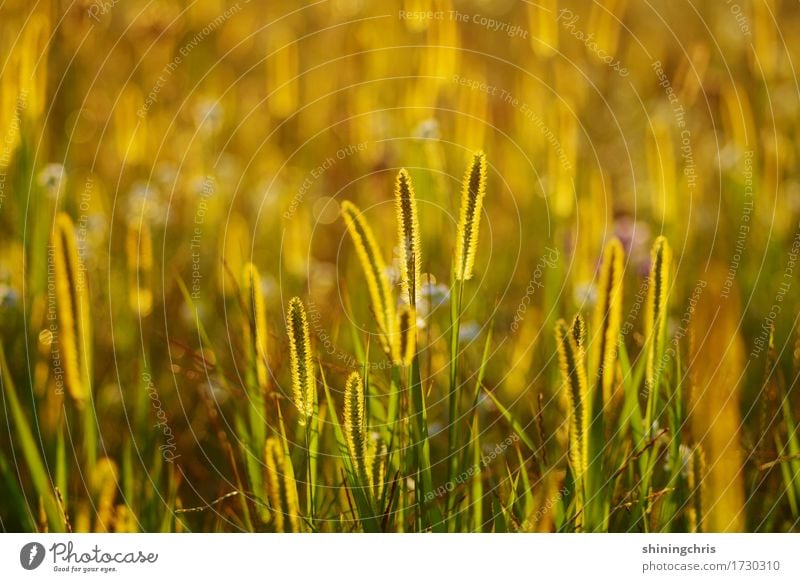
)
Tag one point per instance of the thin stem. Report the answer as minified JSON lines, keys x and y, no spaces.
{"x":454,"y":400}
{"x":309,"y":488}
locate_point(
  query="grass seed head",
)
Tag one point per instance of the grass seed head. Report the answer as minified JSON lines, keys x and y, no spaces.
{"x":302,"y":362}
{"x":377,"y":454}
{"x":255,"y":325}
{"x":374,"y":268}
{"x":281,"y":488}
{"x":71,"y":304}
{"x":657,"y":298}
{"x":139,"y":248}
{"x":105,"y":485}
{"x":473,"y":191}
{"x":578,"y":330}
{"x":408,"y":236}
{"x":33,"y":48}
{"x":716,"y":367}
{"x":355,"y":424}
{"x":696,"y":483}
{"x":407,"y":323}
{"x":573,"y":373}
{"x":608,"y":317}
{"x":10,"y":101}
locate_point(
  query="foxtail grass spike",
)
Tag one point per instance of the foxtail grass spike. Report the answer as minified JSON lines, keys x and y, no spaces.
{"x":573,"y":373}
{"x":375,"y":273}
{"x":71,"y":301}
{"x":474,"y":189}
{"x":282,"y":72}
{"x":274,"y":483}
{"x":657,"y":298}
{"x":408,"y":236}
{"x":281,"y":488}
{"x":105,"y":485}
{"x":34,"y":44}
{"x":407,"y":323}
{"x":302,"y":362}
{"x":255,"y":325}
{"x":355,"y":424}
{"x":139,"y":249}
{"x":376,"y":465}
{"x":717,"y":366}
{"x":696,"y":484}
{"x":608,"y":317}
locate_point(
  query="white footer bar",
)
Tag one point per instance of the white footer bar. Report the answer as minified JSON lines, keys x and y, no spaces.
{"x":400,"y":557}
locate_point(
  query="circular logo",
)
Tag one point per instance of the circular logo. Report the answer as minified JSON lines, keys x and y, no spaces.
{"x":31,"y":555}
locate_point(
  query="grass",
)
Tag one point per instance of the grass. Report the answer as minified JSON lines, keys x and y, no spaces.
{"x":405,"y":305}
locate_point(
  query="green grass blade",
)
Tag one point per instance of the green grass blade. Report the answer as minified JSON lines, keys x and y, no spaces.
{"x":30,"y":450}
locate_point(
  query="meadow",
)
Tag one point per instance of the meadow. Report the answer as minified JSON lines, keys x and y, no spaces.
{"x":410,"y":266}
